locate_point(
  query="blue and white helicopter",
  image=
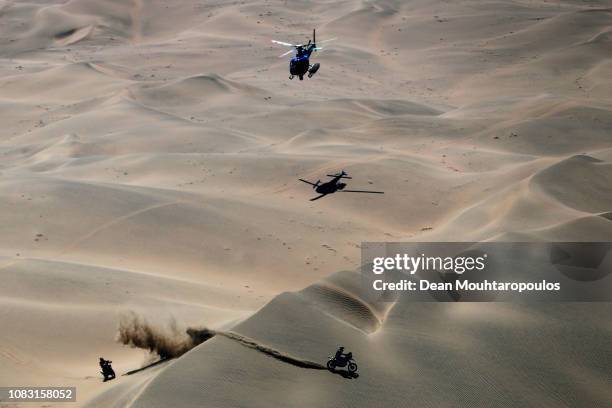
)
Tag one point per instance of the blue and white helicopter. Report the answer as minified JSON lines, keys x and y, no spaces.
{"x":300,"y":62}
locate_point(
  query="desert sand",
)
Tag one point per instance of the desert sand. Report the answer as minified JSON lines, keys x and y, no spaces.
{"x":150,"y":152}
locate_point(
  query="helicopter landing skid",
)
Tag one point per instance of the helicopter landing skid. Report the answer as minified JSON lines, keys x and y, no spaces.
{"x":313,"y":69}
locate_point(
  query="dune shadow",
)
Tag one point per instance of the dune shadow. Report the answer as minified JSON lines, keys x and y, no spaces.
{"x":344,"y":373}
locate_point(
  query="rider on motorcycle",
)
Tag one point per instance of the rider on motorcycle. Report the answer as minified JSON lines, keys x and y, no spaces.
{"x":341,"y":356}
{"x":342,"y":360}
{"x":107,"y":369}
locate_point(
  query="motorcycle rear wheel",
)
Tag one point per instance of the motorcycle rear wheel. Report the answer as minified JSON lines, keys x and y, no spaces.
{"x":352,"y":367}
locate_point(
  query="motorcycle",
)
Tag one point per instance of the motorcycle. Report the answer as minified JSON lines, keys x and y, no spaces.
{"x":107,"y":371}
{"x":345,"y":361}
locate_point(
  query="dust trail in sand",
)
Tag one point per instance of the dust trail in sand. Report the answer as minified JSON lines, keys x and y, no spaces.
{"x":170,"y":342}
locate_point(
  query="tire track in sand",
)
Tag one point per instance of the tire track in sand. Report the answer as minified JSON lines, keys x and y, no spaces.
{"x":278,"y":355}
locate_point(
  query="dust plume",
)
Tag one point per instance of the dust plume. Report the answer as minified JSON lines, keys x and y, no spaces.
{"x":171,"y":342}
{"x":166,"y":341}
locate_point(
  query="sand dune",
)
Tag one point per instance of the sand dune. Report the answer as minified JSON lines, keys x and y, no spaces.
{"x":508,"y":346}
{"x":149,"y":161}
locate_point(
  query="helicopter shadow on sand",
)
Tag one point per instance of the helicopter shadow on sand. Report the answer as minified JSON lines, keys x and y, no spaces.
{"x":334,"y":186}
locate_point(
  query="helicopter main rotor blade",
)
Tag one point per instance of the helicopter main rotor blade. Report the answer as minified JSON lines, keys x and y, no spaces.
{"x":287,"y":53}
{"x":317,"y":197}
{"x":339,"y":175}
{"x":362,"y":191}
{"x":308,"y":182}
{"x":331,"y":39}
{"x":284,"y":43}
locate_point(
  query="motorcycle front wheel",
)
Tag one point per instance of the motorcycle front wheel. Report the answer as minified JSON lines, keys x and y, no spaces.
{"x":352,"y":367}
{"x":331,"y":365}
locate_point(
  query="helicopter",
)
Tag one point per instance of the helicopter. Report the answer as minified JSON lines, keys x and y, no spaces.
{"x":334,"y":185}
{"x":300,"y":63}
